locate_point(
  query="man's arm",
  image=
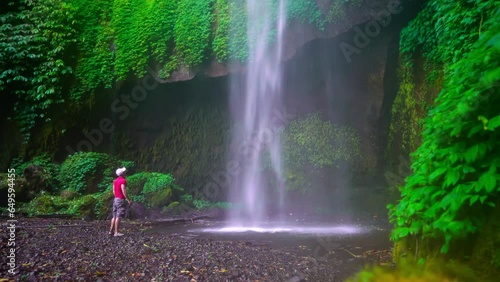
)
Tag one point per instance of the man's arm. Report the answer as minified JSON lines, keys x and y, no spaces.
{"x":124,"y":191}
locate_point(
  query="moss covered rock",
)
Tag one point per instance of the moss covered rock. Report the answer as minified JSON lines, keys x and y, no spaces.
{"x":176,"y":208}
{"x":135,"y":183}
{"x":68,"y":194}
{"x":104,"y":205}
{"x":160,"y":199}
{"x":86,"y":207}
{"x":172,"y":206}
{"x":38,"y":178}
{"x":153,"y":189}
{"x":46,"y":205}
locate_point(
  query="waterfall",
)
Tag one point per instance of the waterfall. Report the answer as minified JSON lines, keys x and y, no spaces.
{"x":256,"y":99}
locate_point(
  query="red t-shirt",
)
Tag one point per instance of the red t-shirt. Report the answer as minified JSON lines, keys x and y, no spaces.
{"x":117,"y":187}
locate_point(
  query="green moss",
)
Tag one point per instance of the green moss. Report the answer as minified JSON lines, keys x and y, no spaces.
{"x":87,"y":206}
{"x":172,"y":206}
{"x":177,"y":208}
{"x":135,"y":183}
{"x":311,"y":145}
{"x":104,"y":205}
{"x":42,"y":205}
{"x":83,"y":207}
{"x":160,"y":199}
{"x":68,"y":194}
{"x":193,"y":146}
{"x":336,"y":12}
{"x":413,"y":101}
{"x":153,"y":189}
{"x":431,"y":271}
{"x":46,"y":204}
{"x":412,"y":250}
{"x":339,"y":8}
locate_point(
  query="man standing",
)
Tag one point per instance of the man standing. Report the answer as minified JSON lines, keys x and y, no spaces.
{"x":120,"y":192}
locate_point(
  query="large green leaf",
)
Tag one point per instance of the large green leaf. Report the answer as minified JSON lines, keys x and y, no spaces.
{"x":494,"y":122}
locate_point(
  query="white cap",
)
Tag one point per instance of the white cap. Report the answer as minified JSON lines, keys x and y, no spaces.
{"x":120,"y":171}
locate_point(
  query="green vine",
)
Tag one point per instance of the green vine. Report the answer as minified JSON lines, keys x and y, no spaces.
{"x":34,"y":40}
{"x":69,"y":51}
{"x":437,"y":38}
{"x":94,"y":40}
{"x":456,"y":172}
{"x":444,"y":31}
{"x":193,"y":30}
{"x":223,"y":21}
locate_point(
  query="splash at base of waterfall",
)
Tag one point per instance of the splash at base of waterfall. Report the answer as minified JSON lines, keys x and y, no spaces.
{"x":326,"y":230}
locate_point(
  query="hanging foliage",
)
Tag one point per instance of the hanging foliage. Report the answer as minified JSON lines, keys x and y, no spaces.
{"x":34,"y":39}
{"x":456,"y":176}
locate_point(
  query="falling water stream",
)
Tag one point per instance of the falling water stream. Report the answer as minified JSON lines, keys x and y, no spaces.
{"x":258,"y":194}
{"x":254,"y":105}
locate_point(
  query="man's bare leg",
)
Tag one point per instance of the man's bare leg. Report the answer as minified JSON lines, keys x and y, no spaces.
{"x":117,"y":224}
{"x":112,"y":225}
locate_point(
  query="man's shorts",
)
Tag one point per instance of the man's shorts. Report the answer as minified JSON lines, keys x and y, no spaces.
{"x":118,"y":208}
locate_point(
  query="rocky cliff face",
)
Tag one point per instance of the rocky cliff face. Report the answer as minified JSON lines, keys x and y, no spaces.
{"x":370,"y":20}
{"x":347,"y":71}
{"x":343,"y":70}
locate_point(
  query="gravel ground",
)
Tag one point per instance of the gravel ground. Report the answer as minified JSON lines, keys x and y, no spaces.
{"x":83,"y":251}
